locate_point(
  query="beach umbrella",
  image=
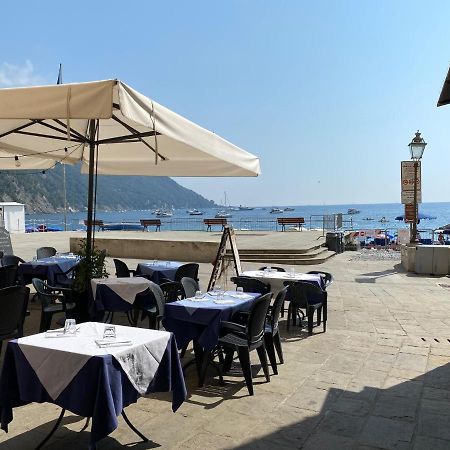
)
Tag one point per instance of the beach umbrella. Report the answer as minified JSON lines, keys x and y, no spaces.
{"x":112,"y":129}
{"x":420,"y":216}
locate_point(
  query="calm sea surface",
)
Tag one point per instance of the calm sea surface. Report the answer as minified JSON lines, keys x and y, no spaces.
{"x":260,"y":218}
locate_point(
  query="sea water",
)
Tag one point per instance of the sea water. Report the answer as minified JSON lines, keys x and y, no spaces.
{"x":371,"y":216}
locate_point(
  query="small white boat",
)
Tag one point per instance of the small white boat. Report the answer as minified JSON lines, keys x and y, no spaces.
{"x":289,"y":209}
{"x":195,"y":212}
{"x":245,"y":208}
{"x":276,"y":211}
{"x":383,"y":220}
{"x":222,"y":215}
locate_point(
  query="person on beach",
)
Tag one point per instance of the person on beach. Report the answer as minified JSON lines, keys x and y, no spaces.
{"x":441,"y":238}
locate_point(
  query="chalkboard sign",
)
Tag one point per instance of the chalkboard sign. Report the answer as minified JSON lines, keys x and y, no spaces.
{"x":228,"y":234}
{"x":5,"y":242}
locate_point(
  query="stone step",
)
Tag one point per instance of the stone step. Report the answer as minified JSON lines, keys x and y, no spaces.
{"x":318,"y":259}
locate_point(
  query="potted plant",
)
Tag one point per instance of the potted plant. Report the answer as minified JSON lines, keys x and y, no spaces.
{"x":84,"y":272}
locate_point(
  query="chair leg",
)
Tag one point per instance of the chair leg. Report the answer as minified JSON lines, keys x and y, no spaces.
{"x":268,"y":339}
{"x":244,"y":359}
{"x":288,"y":321}
{"x":228,"y":360}
{"x":263,"y":359}
{"x":46,"y":322}
{"x":325,"y":313}
{"x":310,"y":313}
{"x":277,"y":343}
{"x":319,"y":316}
{"x":1,"y":344}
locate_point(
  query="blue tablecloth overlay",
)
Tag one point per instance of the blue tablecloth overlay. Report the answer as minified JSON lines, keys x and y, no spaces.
{"x":156,"y":271}
{"x":201,"y":321}
{"x":45,"y":268}
{"x":100,"y":390}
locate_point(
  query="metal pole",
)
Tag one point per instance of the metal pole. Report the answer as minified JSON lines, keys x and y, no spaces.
{"x":90,"y":190}
{"x":414,"y":225}
{"x":65,"y":197}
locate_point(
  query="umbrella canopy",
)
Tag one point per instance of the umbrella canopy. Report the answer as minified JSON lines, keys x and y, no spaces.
{"x":420,"y":216}
{"x":111,"y":129}
{"x":444,"y":98}
{"x":135,"y":135}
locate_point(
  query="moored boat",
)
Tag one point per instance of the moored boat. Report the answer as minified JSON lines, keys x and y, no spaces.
{"x":353,"y":211}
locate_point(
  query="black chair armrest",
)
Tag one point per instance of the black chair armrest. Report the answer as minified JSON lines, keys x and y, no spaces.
{"x":231,"y":326}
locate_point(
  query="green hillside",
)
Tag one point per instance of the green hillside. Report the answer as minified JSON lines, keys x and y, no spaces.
{"x":43,"y":192}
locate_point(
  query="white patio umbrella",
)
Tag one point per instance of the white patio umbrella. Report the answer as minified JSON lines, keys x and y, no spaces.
{"x":112,"y":129}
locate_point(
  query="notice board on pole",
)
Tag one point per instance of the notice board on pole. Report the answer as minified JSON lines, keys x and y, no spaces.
{"x":227,"y":236}
{"x":408,"y":182}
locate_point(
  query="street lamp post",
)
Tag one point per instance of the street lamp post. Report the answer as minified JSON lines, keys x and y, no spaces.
{"x":416,"y":148}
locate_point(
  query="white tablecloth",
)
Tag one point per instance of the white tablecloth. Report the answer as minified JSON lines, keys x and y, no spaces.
{"x":276,"y":279}
{"x":56,"y":360}
{"x":126,"y":288}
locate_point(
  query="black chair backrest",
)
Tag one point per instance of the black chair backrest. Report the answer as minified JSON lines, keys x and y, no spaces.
{"x":45,"y":252}
{"x":44,"y":296}
{"x":158,"y":297}
{"x":187,"y":270}
{"x":276,"y":308}
{"x":277,"y":269}
{"x":304,"y":293}
{"x":190,"y":286}
{"x":251,"y":284}
{"x":122,"y":270}
{"x":11,"y":260}
{"x":327,"y":277}
{"x":173,"y":291}
{"x":13,"y":307}
{"x":8,"y":276}
{"x":1,"y":254}
{"x":257,"y":319}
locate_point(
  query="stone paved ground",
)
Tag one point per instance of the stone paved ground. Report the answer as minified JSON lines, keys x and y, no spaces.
{"x":379,"y":378}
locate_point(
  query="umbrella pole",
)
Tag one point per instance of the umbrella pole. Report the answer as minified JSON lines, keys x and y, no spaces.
{"x":90,"y":190}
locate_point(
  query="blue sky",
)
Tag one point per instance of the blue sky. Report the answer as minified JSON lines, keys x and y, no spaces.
{"x":328,"y":93}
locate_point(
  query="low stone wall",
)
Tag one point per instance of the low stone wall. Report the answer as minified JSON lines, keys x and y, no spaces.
{"x":195,"y":251}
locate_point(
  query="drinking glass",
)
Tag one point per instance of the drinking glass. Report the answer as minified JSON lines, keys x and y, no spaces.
{"x":34,"y":258}
{"x":70,"y":326}
{"x":217,"y":289}
{"x":292,"y":272}
{"x":198,"y":294}
{"x":239,"y":290}
{"x":109,"y":332}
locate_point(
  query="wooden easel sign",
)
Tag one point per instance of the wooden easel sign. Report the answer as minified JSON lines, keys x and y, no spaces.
{"x":227,"y":235}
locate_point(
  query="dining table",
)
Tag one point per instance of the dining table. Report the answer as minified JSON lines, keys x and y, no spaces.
{"x":158,"y":270}
{"x":46,"y":268}
{"x":114,"y":294}
{"x":90,"y":375}
{"x":198,"y":320}
{"x":277,"y":279}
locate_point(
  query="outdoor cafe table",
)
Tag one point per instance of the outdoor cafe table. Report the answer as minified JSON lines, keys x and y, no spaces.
{"x":157,"y":270}
{"x":115,"y":294}
{"x":276,"y":279}
{"x":199,"y":320}
{"x":76,"y":374}
{"x":46,"y":268}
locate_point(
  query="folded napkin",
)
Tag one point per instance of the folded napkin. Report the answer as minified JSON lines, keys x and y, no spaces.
{"x":102,"y":343}
{"x":224,"y":302}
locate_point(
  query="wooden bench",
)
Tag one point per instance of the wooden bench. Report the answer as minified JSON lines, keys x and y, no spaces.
{"x":96,"y":223}
{"x":219,"y":221}
{"x":151,"y":222}
{"x":283,"y":221}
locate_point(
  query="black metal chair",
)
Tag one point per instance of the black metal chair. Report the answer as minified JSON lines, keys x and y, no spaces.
{"x":187,"y":270}
{"x":53,"y":300}
{"x":326,"y":276}
{"x":122,"y":270}
{"x":272,"y":332}
{"x":173,"y":291}
{"x":277,"y":269}
{"x":245,"y":338}
{"x":13,"y":307}
{"x":150,"y":303}
{"x":45,"y":252}
{"x":251,"y":284}
{"x":311,"y":298}
{"x":8,"y":276}
{"x":190,"y":286}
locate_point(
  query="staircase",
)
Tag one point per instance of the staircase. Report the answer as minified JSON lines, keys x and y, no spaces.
{"x":306,"y":256}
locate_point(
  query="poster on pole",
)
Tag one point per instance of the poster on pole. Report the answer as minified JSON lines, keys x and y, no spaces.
{"x":407,"y":182}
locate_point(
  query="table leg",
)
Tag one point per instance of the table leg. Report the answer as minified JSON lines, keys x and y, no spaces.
{"x":127,"y":421}
{"x":55,"y":427}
